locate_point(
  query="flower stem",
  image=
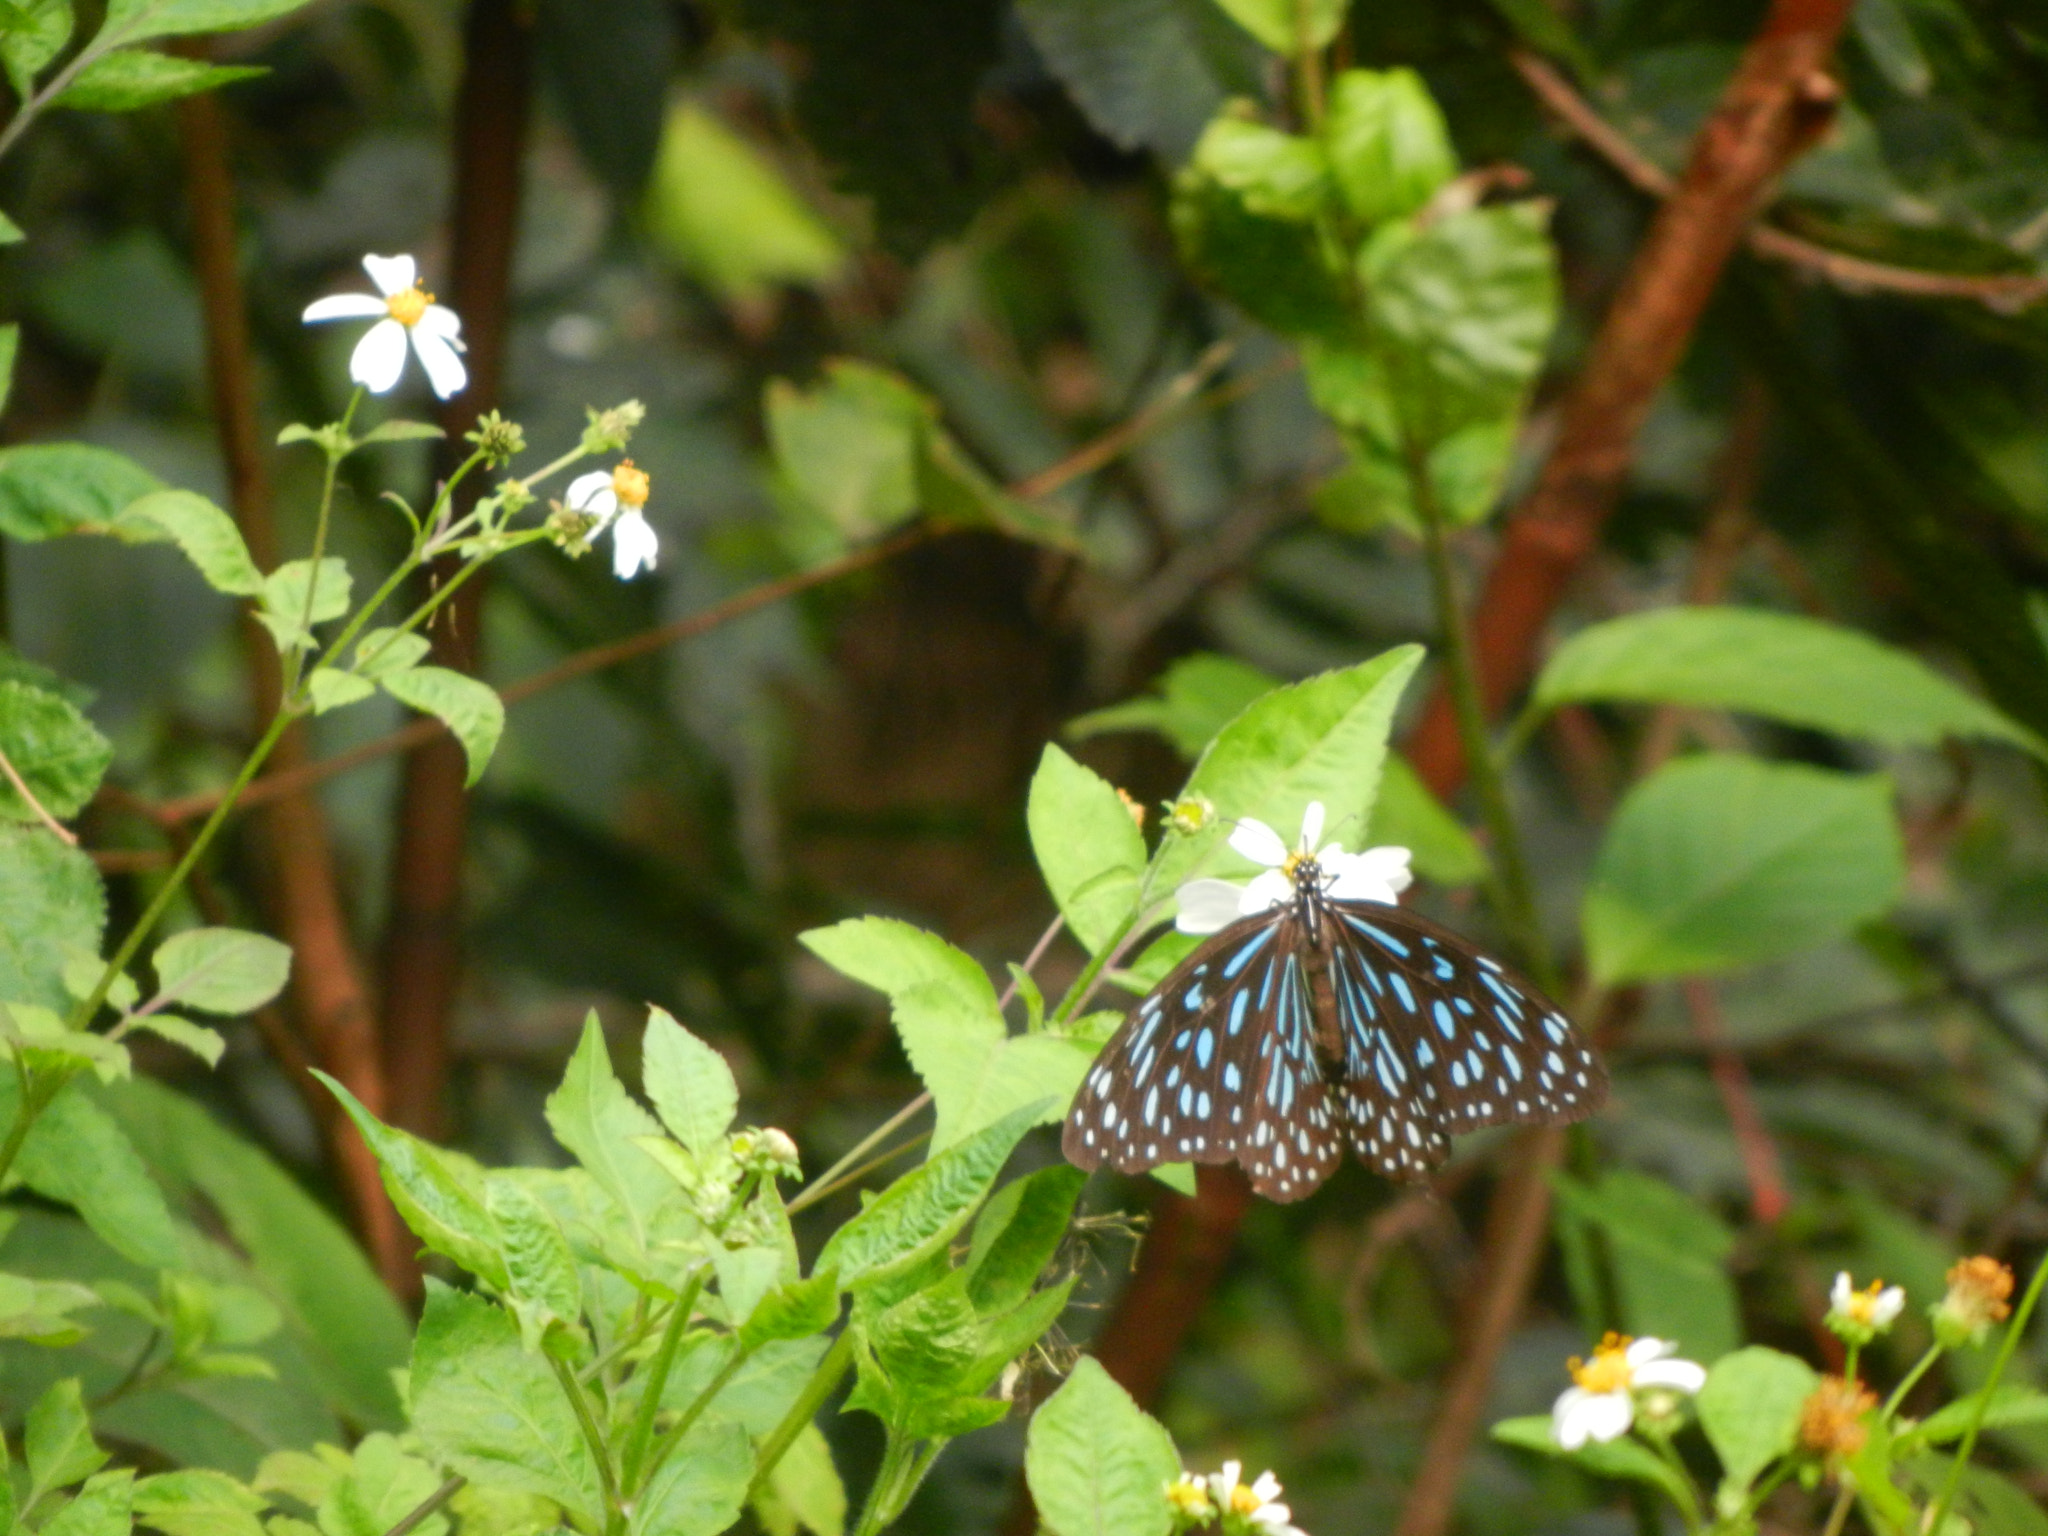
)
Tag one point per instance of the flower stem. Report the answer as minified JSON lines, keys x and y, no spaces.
{"x":1849,"y":1362}
{"x":579,"y":1402}
{"x":295,"y":660}
{"x":1838,"y":1513}
{"x":673,"y":1436}
{"x":1911,"y":1380}
{"x":876,"y":1513}
{"x":823,"y":1184}
{"x":657,"y":1381}
{"x":824,"y":1380}
{"x":2006,"y":1346}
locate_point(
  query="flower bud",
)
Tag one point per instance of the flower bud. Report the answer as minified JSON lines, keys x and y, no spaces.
{"x":766,"y":1150}
{"x":570,"y":531}
{"x":611,"y":430}
{"x":1979,"y":1294}
{"x":1190,"y":814}
{"x":1831,"y":1420}
{"x":498,"y":440}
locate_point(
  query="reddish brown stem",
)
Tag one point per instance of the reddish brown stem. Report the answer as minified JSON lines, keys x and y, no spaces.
{"x":1752,"y":1137}
{"x":422,"y":963}
{"x":302,"y":893}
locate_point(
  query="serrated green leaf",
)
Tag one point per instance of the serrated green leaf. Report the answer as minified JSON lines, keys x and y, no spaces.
{"x":401,"y":432}
{"x":204,"y":1042}
{"x":1088,"y":846}
{"x":700,"y":1489}
{"x":380,"y":1487}
{"x":198,"y":1502}
{"x":51,"y":488}
{"x":539,"y":1267}
{"x":1750,"y":1409}
{"x":128,"y":79}
{"x":1096,"y":1463}
{"x":1017,"y":1234}
{"x":133,"y":20}
{"x":382,"y":652}
{"x":42,"y":1039}
{"x":105,"y":1506}
{"x":58,"y":753}
{"x":1387,"y":144}
{"x":793,"y":1311}
{"x":52,"y":906}
{"x":472,"y":710}
{"x":39,"y":1310}
{"x":284,"y":611}
{"x":1188,"y":704}
{"x":57,"y":1442}
{"x":691,"y":1085}
{"x":762,"y":1388}
{"x":331,"y":689}
{"x":1717,"y":861}
{"x":77,"y":1155}
{"x":34,"y":36}
{"x":221,"y":970}
{"x":207,"y":535}
{"x":592,"y":1115}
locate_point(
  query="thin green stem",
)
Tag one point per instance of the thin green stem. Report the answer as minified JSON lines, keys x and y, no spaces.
{"x":673,"y":1435}
{"x":1911,"y":1380}
{"x":1084,"y":984}
{"x":875,"y":1512}
{"x":423,"y":1511}
{"x":824,"y":1381}
{"x":854,"y":1175}
{"x":657,"y":1380}
{"x":295,"y":659}
{"x":1849,"y":1362}
{"x":2006,"y":1346}
{"x":1688,"y":1507}
{"x":817,"y":1189}
{"x":37,"y":1090}
{"x":1838,"y":1512}
{"x":579,"y":1402}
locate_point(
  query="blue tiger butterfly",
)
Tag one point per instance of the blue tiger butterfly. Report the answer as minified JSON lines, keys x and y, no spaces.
{"x":1326,"y":1016}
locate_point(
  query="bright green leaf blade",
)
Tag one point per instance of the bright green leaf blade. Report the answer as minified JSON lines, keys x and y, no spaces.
{"x":1096,"y":1463}
{"x":893,"y":957}
{"x":1288,"y":27}
{"x":330,"y":689}
{"x":1191,"y":701}
{"x":700,"y":1488}
{"x":381,"y":1486}
{"x":202,"y":1041}
{"x":539,"y":1266}
{"x":34,"y":36}
{"x":58,"y":753}
{"x":494,"y":1412}
{"x":759,"y":1392}
{"x":221,"y":970}
{"x":285,"y":610}
{"x":1716,"y":862}
{"x":76,"y":1154}
{"x":1750,"y":1409}
{"x":1017,"y":1234}
{"x":1407,"y":815}
{"x":2010,"y":1407}
{"x":849,"y":448}
{"x":52,"y":488}
{"x":471,"y":710}
{"x":691,"y":1085}
{"x":1388,"y":146}
{"x":198,"y":1502}
{"x":383,"y":651}
{"x":1782,"y":666}
{"x":794,"y":1311}
{"x":52,"y":905}
{"x":804,"y":1489}
{"x":1089,"y":848}
{"x":206,"y":534}
{"x":594,"y":1117}
{"x":134,"y":20}
{"x":57,"y":1442}
{"x":105,"y":1506}
{"x":126,"y":80}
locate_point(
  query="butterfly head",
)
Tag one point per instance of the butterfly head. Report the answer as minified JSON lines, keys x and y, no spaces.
{"x":1301,"y":867}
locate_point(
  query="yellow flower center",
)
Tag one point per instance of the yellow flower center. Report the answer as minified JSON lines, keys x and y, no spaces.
{"x":1244,"y":1502}
{"x":1292,"y":862}
{"x":1862,"y":1306}
{"x":1189,"y":1496}
{"x":1608,"y":1370}
{"x":629,"y":484}
{"x":406,"y":307}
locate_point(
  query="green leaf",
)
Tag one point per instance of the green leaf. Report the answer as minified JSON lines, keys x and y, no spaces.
{"x":330,"y":689}
{"x":1289,"y":27}
{"x":1782,"y":666}
{"x":198,"y":1502}
{"x":45,"y":1043}
{"x":284,"y":611}
{"x":956,"y":493}
{"x":1388,"y":146}
{"x":57,"y":1442}
{"x":34,"y":35}
{"x":700,"y":1489}
{"x":1096,"y":1463}
{"x":57,"y":752}
{"x":382,"y":652}
{"x":848,"y":450}
{"x":1716,"y":862}
{"x":1407,"y":815}
{"x":1089,"y":848}
{"x":689,"y":1082}
{"x":221,"y":970}
{"x":2010,"y":1406}
{"x":1191,"y":701}
{"x":77,"y":1155}
{"x":1320,"y":739}
{"x":132,"y":78}
{"x":592,"y":1115}
{"x":51,"y":905}
{"x":203,"y":1042}
{"x":540,"y":1269}
{"x":745,"y":1275}
{"x":381,"y":1486}
{"x":52,"y":488}
{"x":917,"y":1215}
{"x":1017,"y":1234}
{"x":105,"y":1506}
{"x":396,"y":431}
{"x":1669,"y":1259}
{"x":206,"y":534}
{"x":804,"y":1490}
{"x":133,"y":20}
{"x":759,"y":1392}
{"x":1750,"y":1409}
{"x":793,"y":1311}
{"x":10,"y":333}
{"x":484,"y":1406}
{"x":39,"y":1310}
{"x":1625,"y":1459}
{"x":1274,"y":174}
{"x":437,"y":1193}
{"x":471,"y":710}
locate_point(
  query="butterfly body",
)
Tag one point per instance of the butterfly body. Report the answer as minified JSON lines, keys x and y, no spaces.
{"x":1323,"y":1023}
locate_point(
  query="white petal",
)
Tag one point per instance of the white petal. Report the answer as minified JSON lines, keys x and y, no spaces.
{"x":1644,"y":1350}
{"x":1607,"y":1415}
{"x":444,"y":369}
{"x":1259,"y":843}
{"x":1389,"y":863}
{"x":592,"y":493}
{"x":1207,"y":906}
{"x":634,"y":546}
{"x":1357,"y":880}
{"x":440,"y":320}
{"x":1567,"y":1418}
{"x":1267,"y":1489}
{"x":1885,"y":1310}
{"x":344,"y":306}
{"x":1312,"y":824}
{"x":379,"y":357}
{"x":1838,"y":1297}
{"x":1265,"y":892}
{"x":1679,"y":1375}
{"x":391,"y":274}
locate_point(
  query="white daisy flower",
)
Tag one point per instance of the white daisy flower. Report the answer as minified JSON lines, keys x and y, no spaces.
{"x":1377,"y":874}
{"x":1188,"y":1497}
{"x":1601,"y":1405}
{"x":1256,"y":1505}
{"x":405,"y":312}
{"x":1860,"y":1316}
{"x":614,"y":497}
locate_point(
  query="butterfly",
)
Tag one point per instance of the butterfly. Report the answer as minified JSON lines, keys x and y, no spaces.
{"x":1322,"y":1015}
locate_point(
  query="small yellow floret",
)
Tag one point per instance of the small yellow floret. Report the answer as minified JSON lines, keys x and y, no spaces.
{"x":1244,"y":1502}
{"x":630,"y":485}
{"x":1190,"y":1497}
{"x":1862,"y":1306}
{"x":1608,"y":1370}
{"x":406,"y":307}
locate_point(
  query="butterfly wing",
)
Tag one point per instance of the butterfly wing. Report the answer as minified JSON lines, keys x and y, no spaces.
{"x":1440,"y":1040}
{"x":1217,"y":1064}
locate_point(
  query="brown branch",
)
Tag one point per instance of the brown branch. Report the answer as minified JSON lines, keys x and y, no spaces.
{"x":1760,"y":1162}
{"x":2004,"y":291}
{"x":422,"y":959}
{"x":301,"y":882}
{"x":1179,"y":391}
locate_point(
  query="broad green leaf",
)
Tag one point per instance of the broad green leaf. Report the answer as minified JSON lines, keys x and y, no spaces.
{"x":384,"y":651}
{"x":105,"y":1506}
{"x":1017,"y":1234}
{"x":759,"y":1392}
{"x":1669,"y":1259}
{"x":916,"y":1356}
{"x":284,"y":611}
{"x":1096,"y":1463}
{"x":700,"y":1488}
{"x":1088,"y":845}
{"x":1320,"y":739}
{"x":1782,"y":666}
{"x":487,"y":1408}
{"x":130,"y":78}
{"x":745,"y":1275}
{"x":689,"y":1082}
{"x":804,"y":1490}
{"x":133,"y":20}
{"x":342,"y":1317}
{"x":1407,"y":815}
{"x":1273,"y":174}
{"x":1625,"y":1459}
{"x":894,"y":957}
{"x":472,"y":710}
{"x":206,"y":534}
{"x":43,"y":1041}
{"x":1191,"y":701}
{"x":77,"y":1155}
{"x":331,"y":689}
{"x":57,"y":1442}
{"x":437,"y":1193}
{"x":1750,"y":1409}
{"x":1288,"y":27}
{"x":58,"y":753}
{"x":592,"y":1115}
{"x":32,"y":38}
{"x":2010,"y":1406}
{"x":1717,"y":861}
{"x":221,"y":970}
{"x":1009,"y":1336}
{"x":917,"y":1215}
{"x":955,"y":492}
{"x":540,"y":1269}
{"x":1388,"y":147}
{"x":52,"y":488}
{"x":202,"y":1041}
{"x":1376,"y":488}
{"x":381,"y":1486}
{"x":793,"y":1311}
{"x":849,"y":449}
{"x":39,"y":1310}
{"x":198,"y":1502}
{"x":51,"y":905}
